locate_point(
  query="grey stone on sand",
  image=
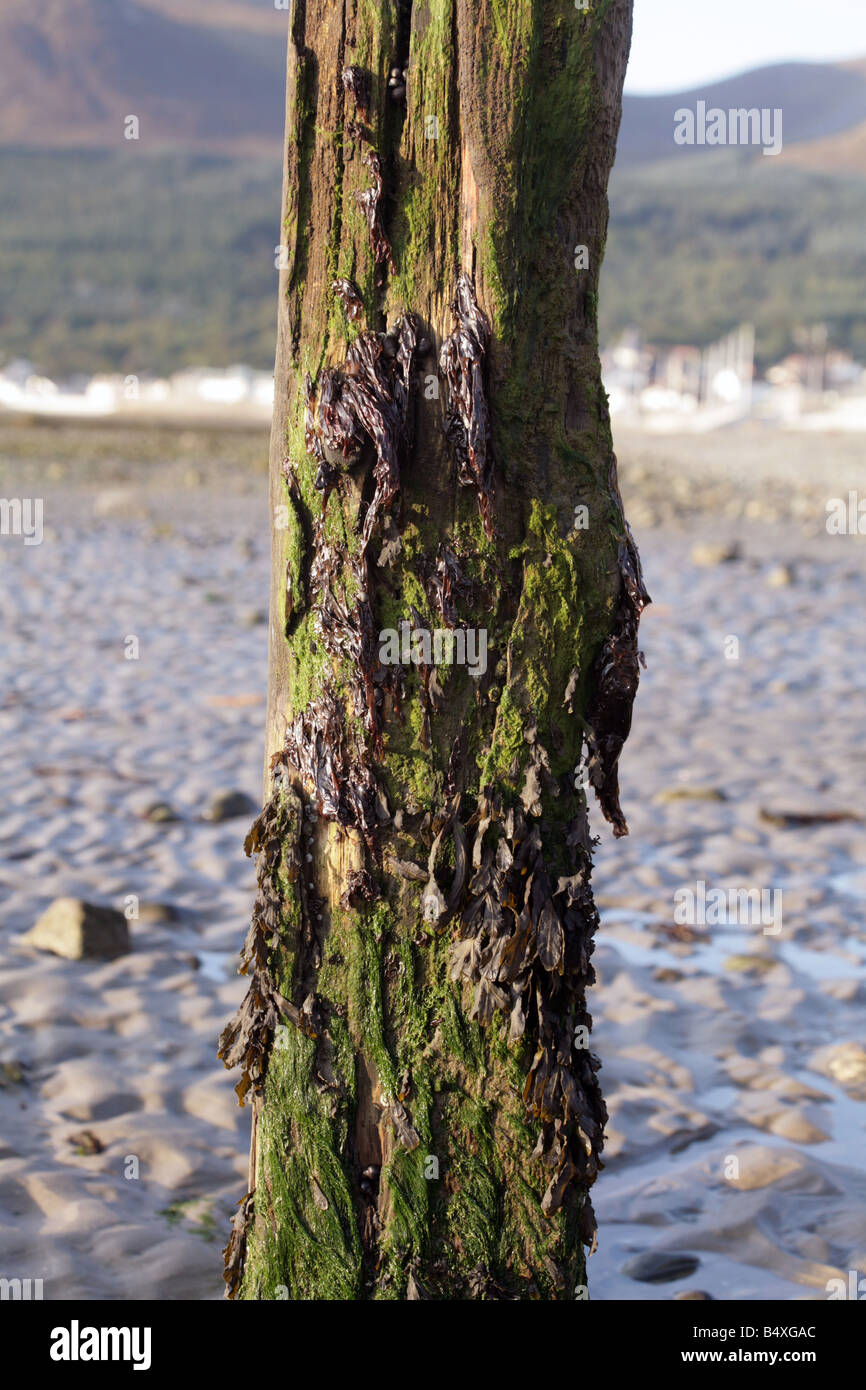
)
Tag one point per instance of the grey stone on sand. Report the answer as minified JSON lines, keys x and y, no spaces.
{"x":743,"y":964}
{"x":668,"y":794}
{"x":693,"y":1295}
{"x":77,"y":930}
{"x":780,"y":577}
{"x":160,"y":813}
{"x":709,"y":553}
{"x":843,"y":1062}
{"x":156,"y":912}
{"x":847,"y":991}
{"x":229,"y":805}
{"x":660,"y":1266}
{"x":759,"y":1166}
{"x":255,"y":617}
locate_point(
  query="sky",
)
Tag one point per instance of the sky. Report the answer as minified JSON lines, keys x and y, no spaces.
{"x":679,"y":44}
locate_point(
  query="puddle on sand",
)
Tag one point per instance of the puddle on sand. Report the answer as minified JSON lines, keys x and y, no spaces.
{"x":217,"y":966}
{"x":709,"y":956}
{"x":850,"y":885}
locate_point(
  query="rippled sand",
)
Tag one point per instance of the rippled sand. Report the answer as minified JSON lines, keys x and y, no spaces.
{"x":737,"y":1124}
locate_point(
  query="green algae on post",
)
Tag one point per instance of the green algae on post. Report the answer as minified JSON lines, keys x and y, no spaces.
{"x":427,"y":1117}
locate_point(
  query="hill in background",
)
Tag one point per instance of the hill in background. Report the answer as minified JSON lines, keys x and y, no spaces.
{"x":208,"y":75}
{"x":818,"y":100}
{"x":150,"y":255}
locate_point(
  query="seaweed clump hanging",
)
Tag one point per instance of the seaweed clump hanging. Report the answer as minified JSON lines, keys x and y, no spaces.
{"x":616,"y":676}
{"x":467,"y":428}
{"x":525,"y":943}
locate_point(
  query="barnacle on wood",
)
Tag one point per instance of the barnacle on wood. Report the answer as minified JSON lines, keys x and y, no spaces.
{"x":467,"y":426}
{"x":406,"y":1133}
{"x":360,"y":888}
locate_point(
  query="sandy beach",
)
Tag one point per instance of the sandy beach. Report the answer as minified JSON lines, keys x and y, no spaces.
{"x":734,"y":1059}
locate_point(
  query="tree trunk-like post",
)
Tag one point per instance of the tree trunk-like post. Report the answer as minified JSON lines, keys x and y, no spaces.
{"x":453,"y":659}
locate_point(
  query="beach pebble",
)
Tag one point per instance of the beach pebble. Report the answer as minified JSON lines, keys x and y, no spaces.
{"x":86,"y":1143}
{"x":692,"y":1295}
{"x":228,"y":805}
{"x":156,"y":912}
{"x":668,"y":794}
{"x":709,"y":553}
{"x":660,"y":1266}
{"x":160,"y":813}
{"x":744,"y":964}
{"x":122,"y":503}
{"x":759,"y":1166}
{"x":769,"y":1113}
{"x":845,"y":1063}
{"x":844,"y":990}
{"x":76,"y":929}
{"x":780,"y":577}
{"x":255,"y":617}
{"x":795,"y":1126}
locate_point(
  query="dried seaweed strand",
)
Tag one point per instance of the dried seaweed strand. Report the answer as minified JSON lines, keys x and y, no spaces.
{"x":334,"y":767}
{"x":525,"y":943}
{"x":350,"y":297}
{"x":446,"y":584}
{"x":467,"y":425}
{"x":246,"y":1041}
{"x":275,"y":839}
{"x":616,"y":677}
{"x":370,"y":202}
{"x":356,"y":82}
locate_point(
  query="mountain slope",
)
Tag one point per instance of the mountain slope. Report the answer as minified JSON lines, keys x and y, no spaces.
{"x":72,"y":70}
{"x":818,"y":100}
{"x":211,"y":75}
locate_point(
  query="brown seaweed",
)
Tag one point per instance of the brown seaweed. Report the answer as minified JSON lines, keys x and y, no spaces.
{"x":274,"y":838}
{"x":370,"y":200}
{"x":369,"y":395}
{"x":357,"y":83}
{"x":350,"y":298}
{"x":235,"y":1253}
{"x":368,"y":399}
{"x":333,"y":767}
{"x":616,"y":677}
{"x":525,"y":942}
{"x":326,"y":474}
{"x":467,"y":426}
{"x":446,"y":584}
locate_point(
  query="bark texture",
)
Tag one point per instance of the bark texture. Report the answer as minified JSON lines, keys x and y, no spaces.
{"x":427,"y":1117}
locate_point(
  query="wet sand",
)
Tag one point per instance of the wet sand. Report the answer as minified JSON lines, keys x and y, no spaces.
{"x":734,"y":1060}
